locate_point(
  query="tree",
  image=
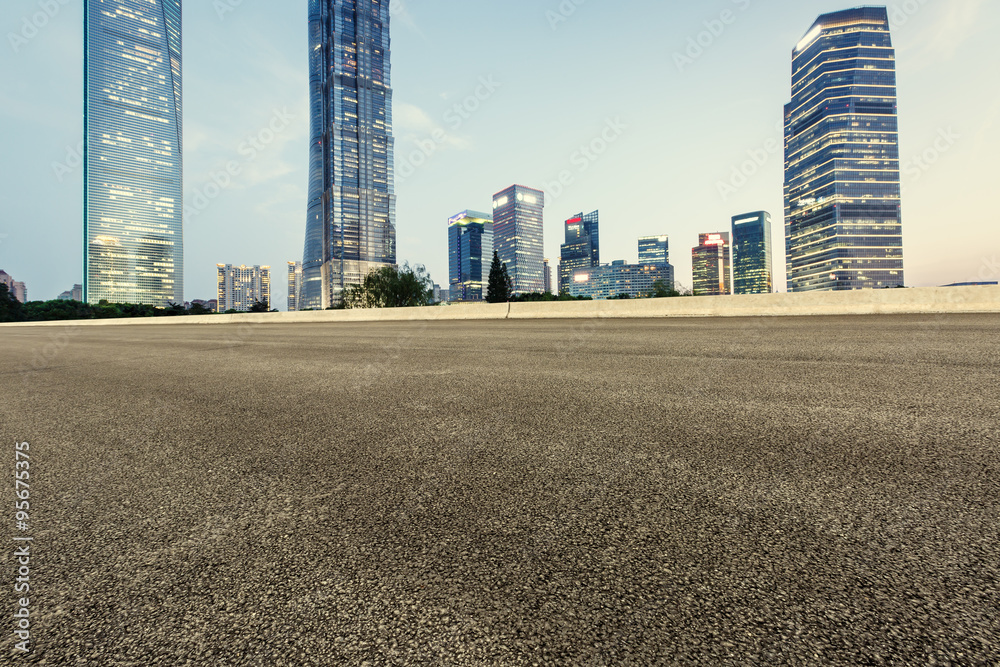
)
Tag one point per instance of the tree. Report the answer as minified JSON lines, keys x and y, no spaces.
{"x":199,"y":309}
{"x":663,"y":289}
{"x":392,"y":287}
{"x":260,"y":307}
{"x":10,"y":308}
{"x":496,"y":288}
{"x":508,"y":282}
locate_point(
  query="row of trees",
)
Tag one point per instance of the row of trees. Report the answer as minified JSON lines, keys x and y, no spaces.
{"x":12,"y":310}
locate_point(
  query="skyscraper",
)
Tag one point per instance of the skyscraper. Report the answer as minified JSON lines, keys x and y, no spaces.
{"x":294,"y":282}
{"x":654,"y":250}
{"x":351,"y":219}
{"x":843,"y":226}
{"x":517,"y":228}
{"x":752,"y":266}
{"x":548,"y":276}
{"x":133,"y":195}
{"x":239,"y":287}
{"x":711,"y":265}
{"x":470,"y":252}
{"x":582,"y":248}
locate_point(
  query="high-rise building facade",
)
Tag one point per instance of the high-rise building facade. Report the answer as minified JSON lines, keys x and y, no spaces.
{"x":470,"y":253}
{"x":548,"y":276}
{"x":294,"y":283}
{"x":75,"y":294}
{"x":843,"y":227}
{"x":15,"y":288}
{"x":133,"y":167}
{"x":654,"y":250}
{"x":582,"y":248}
{"x":711,"y":265}
{"x":752,"y":262}
{"x":240,"y":287}
{"x":351,"y":218}
{"x":613,"y":280}
{"x":518,"y":237}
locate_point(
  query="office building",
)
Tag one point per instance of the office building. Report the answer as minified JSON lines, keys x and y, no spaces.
{"x":75,"y":294}
{"x":582,"y":249}
{"x":654,"y":250}
{"x":618,"y":278}
{"x":711,"y":265}
{"x":752,"y":266}
{"x":133,"y":166}
{"x":351,"y":217}
{"x":470,"y":253}
{"x":240,"y":287}
{"x":518,"y":237}
{"x":548,"y":277}
{"x":843,"y":226}
{"x":294,"y":281}
{"x":17,"y":289}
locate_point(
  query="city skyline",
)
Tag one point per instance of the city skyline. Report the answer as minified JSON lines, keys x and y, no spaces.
{"x":945,"y":135}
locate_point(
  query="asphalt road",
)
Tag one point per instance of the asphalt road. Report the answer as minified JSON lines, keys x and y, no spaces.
{"x":745,"y":492}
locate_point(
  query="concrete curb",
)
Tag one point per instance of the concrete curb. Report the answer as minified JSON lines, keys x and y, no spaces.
{"x":917,"y":301}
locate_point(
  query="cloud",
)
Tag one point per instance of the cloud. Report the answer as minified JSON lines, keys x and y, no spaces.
{"x":399,"y":12}
{"x":413,"y":124}
{"x":956,"y":24}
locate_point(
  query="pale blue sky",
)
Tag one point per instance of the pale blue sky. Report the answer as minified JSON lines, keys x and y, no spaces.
{"x":679,"y":131}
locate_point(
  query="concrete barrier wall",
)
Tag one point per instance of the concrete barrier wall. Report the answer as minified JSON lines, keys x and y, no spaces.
{"x":924,"y":300}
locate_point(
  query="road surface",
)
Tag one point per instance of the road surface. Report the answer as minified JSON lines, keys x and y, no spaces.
{"x":709,"y":491}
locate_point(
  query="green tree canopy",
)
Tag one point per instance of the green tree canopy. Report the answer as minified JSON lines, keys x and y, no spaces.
{"x":500,"y":288}
{"x":392,"y":287}
{"x":10,"y":308}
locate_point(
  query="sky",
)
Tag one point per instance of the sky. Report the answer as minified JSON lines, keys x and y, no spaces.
{"x":663,"y":115}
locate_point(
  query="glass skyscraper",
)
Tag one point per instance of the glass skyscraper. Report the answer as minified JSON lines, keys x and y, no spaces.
{"x":470,"y":253}
{"x":843,"y":227}
{"x":351,"y":219}
{"x":711,"y":265}
{"x":752,"y":263}
{"x":582,"y":248}
{"x":654,"y":250}
{"x":517,"y":236}
{"x":133,"y":193}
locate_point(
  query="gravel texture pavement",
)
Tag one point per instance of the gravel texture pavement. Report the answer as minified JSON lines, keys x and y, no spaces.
{"x":787,"y":491}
